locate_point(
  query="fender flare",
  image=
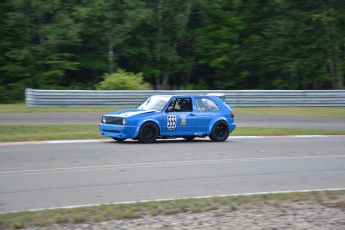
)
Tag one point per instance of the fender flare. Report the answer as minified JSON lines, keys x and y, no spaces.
{"x":140,"y":123}
{"x":214,"y":121}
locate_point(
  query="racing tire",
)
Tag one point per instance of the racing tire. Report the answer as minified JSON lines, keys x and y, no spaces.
{"x":118,"y":139}
{"x":220,"y":131}
{"x":148,"y":133}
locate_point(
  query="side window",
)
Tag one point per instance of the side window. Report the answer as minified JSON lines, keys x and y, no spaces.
{"x":180,"y":105}
{"x":206,"y":105}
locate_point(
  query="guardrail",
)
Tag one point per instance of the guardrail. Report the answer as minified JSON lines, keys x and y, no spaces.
{"x":133,"y":98}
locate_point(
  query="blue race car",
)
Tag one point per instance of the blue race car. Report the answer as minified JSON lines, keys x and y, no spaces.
{"x":171,"y":116}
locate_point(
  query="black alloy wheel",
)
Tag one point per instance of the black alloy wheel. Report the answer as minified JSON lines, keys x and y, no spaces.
{"x":220,"y":131}
{"x":148,"y":133}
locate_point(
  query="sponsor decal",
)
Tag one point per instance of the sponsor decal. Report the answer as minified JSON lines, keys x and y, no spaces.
{"x":183,"y":119}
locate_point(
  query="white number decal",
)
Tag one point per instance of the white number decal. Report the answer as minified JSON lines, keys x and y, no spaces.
{"x":171,"y":124}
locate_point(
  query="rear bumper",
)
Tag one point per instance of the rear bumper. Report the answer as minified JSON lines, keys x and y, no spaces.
{"x":232,"y":127}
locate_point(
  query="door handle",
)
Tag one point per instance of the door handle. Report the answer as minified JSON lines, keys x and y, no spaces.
{"x":191,"y":115}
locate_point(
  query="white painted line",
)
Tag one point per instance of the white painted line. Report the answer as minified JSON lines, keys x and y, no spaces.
{"x":183,"y":198}
{"x":286,"y":136}
{"x":161,"y":164}
{"x":245,"y":137}
{"x":51,"y":142}
{"x":109,"y":140}
{"x":22,"y":143}
{"x":74,"y":141}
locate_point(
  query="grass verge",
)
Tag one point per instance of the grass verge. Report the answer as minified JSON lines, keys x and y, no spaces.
{"x":291,"y":111}
{"x":100,"y":213}
{"x":40,"y":132}
{"x":22,"y":108}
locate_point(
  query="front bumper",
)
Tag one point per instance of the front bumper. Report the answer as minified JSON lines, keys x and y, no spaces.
{"x":118,"y":131}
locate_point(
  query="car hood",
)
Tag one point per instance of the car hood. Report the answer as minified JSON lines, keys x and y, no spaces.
{"x":129,"y":113}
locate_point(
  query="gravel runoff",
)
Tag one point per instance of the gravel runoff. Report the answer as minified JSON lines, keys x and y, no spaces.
{"x":298,"y":215}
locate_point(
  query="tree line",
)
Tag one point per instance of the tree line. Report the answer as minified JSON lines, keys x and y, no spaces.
{"x":175,"y":44}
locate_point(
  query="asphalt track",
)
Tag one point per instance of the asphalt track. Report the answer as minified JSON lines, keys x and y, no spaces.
{"x":57,"y":174}
{"x":242,"y":120}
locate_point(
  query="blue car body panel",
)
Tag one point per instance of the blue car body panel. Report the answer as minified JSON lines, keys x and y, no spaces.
{"x":196,"y":120}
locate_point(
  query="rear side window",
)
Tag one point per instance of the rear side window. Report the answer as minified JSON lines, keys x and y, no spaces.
{"x":206,"y":105}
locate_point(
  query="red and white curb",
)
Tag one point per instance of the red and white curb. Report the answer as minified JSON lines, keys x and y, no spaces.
{"x":109,"y":140}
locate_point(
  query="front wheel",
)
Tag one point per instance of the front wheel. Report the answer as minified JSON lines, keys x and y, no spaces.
{"x":220,"y":131}
{"x":148,"y":133}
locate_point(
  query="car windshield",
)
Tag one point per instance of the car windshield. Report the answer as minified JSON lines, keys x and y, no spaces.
{"x":154,"y":103}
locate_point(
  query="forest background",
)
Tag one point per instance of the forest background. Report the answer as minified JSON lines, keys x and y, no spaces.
{"x":173,"y":44}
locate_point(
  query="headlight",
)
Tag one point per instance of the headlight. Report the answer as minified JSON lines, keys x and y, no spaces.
{"x":103,"y":119}
{"x":123,"y":121}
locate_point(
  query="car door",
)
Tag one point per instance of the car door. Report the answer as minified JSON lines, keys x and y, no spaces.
{"x":179,"y":119}
{"x":206,"y":111}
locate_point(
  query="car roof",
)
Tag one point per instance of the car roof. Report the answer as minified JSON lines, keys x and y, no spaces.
{"x":182,"y":95}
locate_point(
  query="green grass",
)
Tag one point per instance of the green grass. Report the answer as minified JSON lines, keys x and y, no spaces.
{"x":37,"y":132}
{"x":257,"y":131}
{"x":22,"y":108}
{"x":40,"y":132}
{"x":100,"y":213}
{"x":302,"y":111}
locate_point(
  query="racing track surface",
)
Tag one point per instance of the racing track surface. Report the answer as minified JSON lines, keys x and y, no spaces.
{"x":43,"y":175}
{"x":242,"y":120}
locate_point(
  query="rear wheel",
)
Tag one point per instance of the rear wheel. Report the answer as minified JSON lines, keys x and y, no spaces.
{"x":148,"y":133}
{"x":220,"y":131}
